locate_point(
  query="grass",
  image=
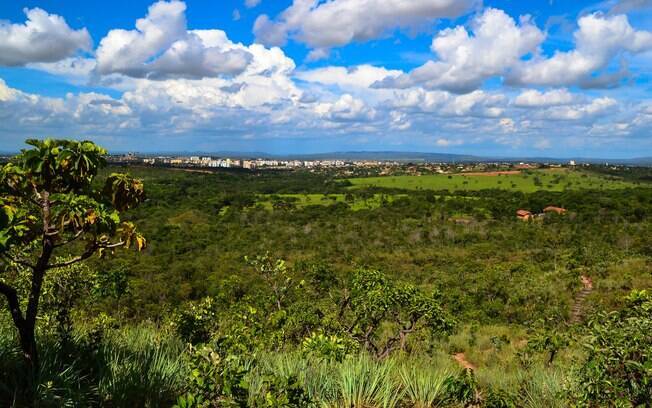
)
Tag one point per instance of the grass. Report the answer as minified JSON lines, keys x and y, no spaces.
{"x":406,"y":381}
{"x":139,"y":365}
{"x":528,"y":181}
{"x":424,"y":385}
{"x":135,"y":366}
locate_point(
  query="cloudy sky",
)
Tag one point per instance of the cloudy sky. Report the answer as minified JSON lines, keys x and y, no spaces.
{"x":538,"y":77}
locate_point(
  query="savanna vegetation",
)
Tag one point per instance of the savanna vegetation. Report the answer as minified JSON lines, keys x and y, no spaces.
{"x":298,"y":289}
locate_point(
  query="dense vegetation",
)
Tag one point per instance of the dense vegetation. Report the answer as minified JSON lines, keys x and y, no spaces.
{"x":274,"y":289}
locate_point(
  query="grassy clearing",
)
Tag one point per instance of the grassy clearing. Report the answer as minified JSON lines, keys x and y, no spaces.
{"x":528,"y":181}
{"x":304,"y":200}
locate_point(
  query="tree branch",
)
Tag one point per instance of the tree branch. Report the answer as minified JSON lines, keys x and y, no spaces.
{"x":87,"y":254}
{"x":14,"y":306}
{"x":74,"y":238}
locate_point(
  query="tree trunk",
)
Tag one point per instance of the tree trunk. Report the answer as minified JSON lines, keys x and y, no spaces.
{"x":25,"y":329}
{"x":28,"y":347}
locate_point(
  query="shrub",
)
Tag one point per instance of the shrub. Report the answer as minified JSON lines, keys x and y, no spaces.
{"x":618,"y":368}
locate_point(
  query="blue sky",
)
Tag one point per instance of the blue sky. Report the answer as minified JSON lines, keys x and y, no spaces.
{"x":535,"y":78}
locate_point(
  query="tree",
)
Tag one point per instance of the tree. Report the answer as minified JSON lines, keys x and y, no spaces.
{"x":376,"y":302}
{"x":276,"y":275}
{"x":50,"y":207}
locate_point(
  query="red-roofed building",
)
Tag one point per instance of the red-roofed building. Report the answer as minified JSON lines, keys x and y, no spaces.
{"x":553,"y":209}
{"x":524,"y":215}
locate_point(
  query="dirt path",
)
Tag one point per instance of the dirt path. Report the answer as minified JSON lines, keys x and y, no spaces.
{"x":578,"y":306}
{"x":463,"y":362}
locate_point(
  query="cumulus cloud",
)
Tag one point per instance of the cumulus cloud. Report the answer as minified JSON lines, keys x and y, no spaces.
{"x":345,"y":109}
{"x":251,"y":3}
{"x":162,"y":47}
{"x":598,"y":40}
{"x":466,"y":60}
{"x":357,"y":76}
{"x":532,"y":98}
{"x":582,"y":111}
{"x":442,"y":103}
{"x":42,"y":38}
{"x":324,"y":25}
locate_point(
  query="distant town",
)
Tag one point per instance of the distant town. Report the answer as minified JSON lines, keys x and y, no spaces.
{"x":211,"y":162}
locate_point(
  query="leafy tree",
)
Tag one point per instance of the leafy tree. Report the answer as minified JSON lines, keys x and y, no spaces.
{"x":550,"y":341}
{"x":50,"y":206}
{"x":376,"y":301}
{"x":276,"y":275}
{"x":618,"y":369}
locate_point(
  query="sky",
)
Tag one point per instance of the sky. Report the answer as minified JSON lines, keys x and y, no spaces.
{"x":553,"y":78}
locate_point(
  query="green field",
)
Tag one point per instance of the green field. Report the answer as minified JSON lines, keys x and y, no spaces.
{"x":528,"y":181}
{"x":304,"y":200}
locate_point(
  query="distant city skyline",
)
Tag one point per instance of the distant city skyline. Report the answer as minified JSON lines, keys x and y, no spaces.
{"x":493,"y":78}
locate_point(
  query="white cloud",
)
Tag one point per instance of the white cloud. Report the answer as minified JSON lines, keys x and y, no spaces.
{"x":466,"y":60}
{"x":507,"y":125}
{"x":357,"y":76}
{"x":76,"y":68}
{"x":578,"y":112}
{"x":162,"y":47}
{"x":43,"y":38}
{"x":6,"y":93}
{"x":318,"y":54}
{"x":399,"y":120}
{"x":598,"y":41}
{"x":442,"y":103}
{"x":532,"y":98}
{"x":346,"y":108}
{"x":251,"y":3}
{"x":324,"y":25}
{"x":442,"y":142}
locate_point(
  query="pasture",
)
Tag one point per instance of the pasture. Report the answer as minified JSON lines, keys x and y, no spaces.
{"x":526,"y":181}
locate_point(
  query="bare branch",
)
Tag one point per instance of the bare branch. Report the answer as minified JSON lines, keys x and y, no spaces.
{"x":74,"y":238}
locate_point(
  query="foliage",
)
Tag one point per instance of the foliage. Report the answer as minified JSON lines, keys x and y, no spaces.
{"x":329,"y":348}
{"x":215,"y":381}
{"x":194,"y":322}
{"x":375,"y":301}
{"x":618,"y":368}
{"x":463,"y":388}
{"x":550,"y":341}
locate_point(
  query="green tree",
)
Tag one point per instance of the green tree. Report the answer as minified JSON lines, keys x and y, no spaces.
{"x":50,"y":207}
{"x":376,"y":302}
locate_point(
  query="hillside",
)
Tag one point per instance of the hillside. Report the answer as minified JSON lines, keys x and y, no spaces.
{"x":298,"y":283}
